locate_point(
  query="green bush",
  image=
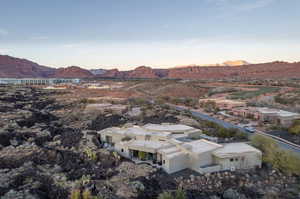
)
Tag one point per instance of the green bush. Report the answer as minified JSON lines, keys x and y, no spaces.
{"x":179,"y":194}
{"x":92,"y":155}
{"x":282,"y":160}
{"x":295,"y":128}
{"x":75,"y":194}
{"x":209,"y":106}
{"x":251,"y":94}
{"x":165,"y":195}
{"x":86,"y":194}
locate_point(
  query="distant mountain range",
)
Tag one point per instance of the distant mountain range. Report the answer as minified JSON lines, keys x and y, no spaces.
{"x":22,"y":68}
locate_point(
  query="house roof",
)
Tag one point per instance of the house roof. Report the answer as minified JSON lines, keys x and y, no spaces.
{"x":281,"y":113}
{"x":148,"y":144}
{"x":168,"y":127}
{"x":235,"y":149}
{"x":201,"y":146}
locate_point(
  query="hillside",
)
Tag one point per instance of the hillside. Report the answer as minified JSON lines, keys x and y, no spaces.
{"x":15,"y":67}
{"x":73,"y":72}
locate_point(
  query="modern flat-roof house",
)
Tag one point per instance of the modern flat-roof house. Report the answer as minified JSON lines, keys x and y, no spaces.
{"x":175,"y":147}
{"x":276,"y":116}
{"x":37,"y":81}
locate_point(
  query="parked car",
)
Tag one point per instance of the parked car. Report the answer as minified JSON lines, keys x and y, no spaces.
{"x":249,"y":129}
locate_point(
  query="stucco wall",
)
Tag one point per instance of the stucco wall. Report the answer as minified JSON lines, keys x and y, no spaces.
{"x":244,"y":161}
{"x":202,"y":159}
{"x":176,"y":163}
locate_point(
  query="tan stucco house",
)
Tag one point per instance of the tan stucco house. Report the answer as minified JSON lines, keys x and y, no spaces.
{"x":175,"y":147}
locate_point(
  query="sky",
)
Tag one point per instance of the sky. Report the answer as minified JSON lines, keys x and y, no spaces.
{"x":125,"y":34}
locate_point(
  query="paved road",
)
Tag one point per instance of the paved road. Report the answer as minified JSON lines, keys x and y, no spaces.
{"x":229,"y":125}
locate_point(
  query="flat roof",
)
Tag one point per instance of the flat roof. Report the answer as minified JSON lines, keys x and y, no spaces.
{"x":234,"y":149}
{"x":135,"y":130}
{"x":169,"y":150}
{"x":279,"y":112}
{"x":148,"y":144}
{"x":167,"y":127}
{"x":201,"y":146}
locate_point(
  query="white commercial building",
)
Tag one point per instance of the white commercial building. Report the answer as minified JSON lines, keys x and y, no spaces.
{"x":175,"y":147}
{"x":38,"y":81}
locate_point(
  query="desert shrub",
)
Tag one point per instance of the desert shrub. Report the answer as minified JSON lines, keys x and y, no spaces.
{"x":252,"y":94}
{"x":165,"y":195}
{"x":280,"y":159}
{"x":86,"y":194}
{"x":84,"y":180}
{"x":179,"y":194}
{"x":87,"y":101}
{"x":190,"y":102}
{"x":92,"y":155}
{"x":138,"y":101}
{"x":75,"y":194}
{"x":281,"y":100}
{"x":295,"y":128}
{"x":210,"y":124}
{"x":209,"y":106}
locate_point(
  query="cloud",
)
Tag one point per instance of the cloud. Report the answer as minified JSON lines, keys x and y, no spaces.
{"x":39,"y":38}
{"x":254,"y":5}
{"x":3,"y":32}
{"x":241,"y":5}
{"x":4,"y":51}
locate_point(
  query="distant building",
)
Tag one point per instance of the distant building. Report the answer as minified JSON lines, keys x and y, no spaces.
{"x":54,"y":88}
{"x":224,"y":104}
{"x":37,"y":81}
{"x":264,"y":114}
{"x":174,"y":147}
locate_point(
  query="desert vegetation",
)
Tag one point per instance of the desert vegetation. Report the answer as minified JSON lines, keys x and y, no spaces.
{"x":280,"y":159}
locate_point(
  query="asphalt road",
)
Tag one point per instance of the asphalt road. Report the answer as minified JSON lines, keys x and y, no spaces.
{"x":224,"y":124}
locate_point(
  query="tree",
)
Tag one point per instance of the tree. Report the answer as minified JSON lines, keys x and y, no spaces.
{"x":295,"y":127}
{"x":282,"y":160}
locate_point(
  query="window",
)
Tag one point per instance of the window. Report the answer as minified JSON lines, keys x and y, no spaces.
{"x":231,"y":159}
{"x":236,"y":159}
{"x":108,"y":139}
{"x":164,"y":162}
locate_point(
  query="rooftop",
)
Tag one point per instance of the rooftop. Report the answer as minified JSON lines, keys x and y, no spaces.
{"x":168,"y":127}
{"x":201,"y":146}
{"x":281,"y":113}
{"x":232,"y":149}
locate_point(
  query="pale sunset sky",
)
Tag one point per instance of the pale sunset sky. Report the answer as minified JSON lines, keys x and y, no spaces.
{"x":157,"y":33}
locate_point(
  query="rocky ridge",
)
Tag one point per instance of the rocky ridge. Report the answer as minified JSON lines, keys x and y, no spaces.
{"x":14,"y":67}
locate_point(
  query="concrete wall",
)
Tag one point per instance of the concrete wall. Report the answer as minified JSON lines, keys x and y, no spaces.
{"x":209,"y":169}
{"x":116,"y":138}
{"x":200,"y":160}
{"x":244,"y":161}
{"x":175,"y":164}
